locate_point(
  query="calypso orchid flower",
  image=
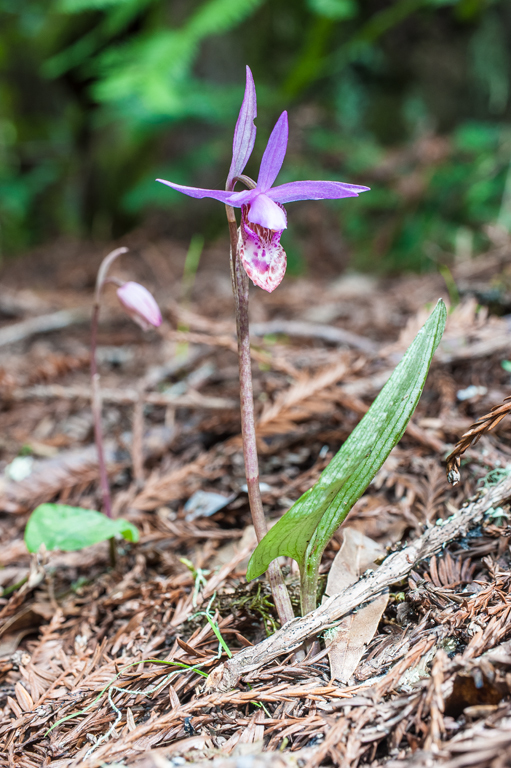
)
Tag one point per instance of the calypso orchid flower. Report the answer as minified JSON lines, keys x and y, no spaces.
{"x":263,"y":218}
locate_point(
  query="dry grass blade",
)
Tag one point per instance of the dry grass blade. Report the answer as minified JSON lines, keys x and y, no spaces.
{"x":228,"y":342}
{"x":480,"y":427}
{"x":181,"y":481}
{"x":290,"y":405}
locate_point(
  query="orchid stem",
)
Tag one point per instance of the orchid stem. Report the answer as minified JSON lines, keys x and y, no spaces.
{"x":98,"y":429}
{"x":240,"y":286}
{"x":96,"y":414}
{"x":96,"y":391}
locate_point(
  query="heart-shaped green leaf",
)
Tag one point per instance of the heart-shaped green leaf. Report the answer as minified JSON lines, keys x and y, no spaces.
{"x":58,"y":526}
{"x":312,"y":520}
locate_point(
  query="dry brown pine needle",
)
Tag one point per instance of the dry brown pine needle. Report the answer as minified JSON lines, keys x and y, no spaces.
{"x":480,"y":427}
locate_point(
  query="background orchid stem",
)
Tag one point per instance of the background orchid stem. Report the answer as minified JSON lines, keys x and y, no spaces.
{"x":98,"y":430}
{"x":240,"y":285}
{"x":96,"y":392}
{"x":96,"y":413}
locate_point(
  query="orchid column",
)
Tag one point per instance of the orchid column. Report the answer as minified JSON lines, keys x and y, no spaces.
{"x":256,"y":253}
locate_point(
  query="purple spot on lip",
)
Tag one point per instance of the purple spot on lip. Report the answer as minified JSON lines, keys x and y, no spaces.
{"x":261,"y":265}
{"x":261,"y":253}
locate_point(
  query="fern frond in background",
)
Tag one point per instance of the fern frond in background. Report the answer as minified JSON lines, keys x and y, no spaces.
{"x":413,"y":96}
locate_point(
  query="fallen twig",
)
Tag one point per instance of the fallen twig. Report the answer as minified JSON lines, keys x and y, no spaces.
{"x":227,"y":342}
{"x":42,"y":324}
{"x":327,"y":333}
{"x":391,"y":571}
{"x":192,"y":399}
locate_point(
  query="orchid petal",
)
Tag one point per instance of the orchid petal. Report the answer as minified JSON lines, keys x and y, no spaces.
{"x":216,"y":194}
{"x":314,"y":190}
{"x":273,"y":154}
{"x":245,"y":132}
{"x":261,"y":254}
{"x":266,"y":213}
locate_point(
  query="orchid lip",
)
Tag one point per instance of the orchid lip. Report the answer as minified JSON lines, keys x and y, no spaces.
{"x":261,"y":252}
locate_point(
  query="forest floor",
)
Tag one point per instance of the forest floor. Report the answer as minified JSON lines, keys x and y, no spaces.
{"x":103,"y":665}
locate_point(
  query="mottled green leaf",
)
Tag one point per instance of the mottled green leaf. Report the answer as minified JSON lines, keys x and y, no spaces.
{"x":322,"y":508}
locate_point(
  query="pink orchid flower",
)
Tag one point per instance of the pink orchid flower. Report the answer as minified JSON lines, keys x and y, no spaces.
{"x":263,"y":217}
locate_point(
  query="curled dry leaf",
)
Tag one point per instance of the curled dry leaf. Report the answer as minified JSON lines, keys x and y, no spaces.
{"x":348,"y":640}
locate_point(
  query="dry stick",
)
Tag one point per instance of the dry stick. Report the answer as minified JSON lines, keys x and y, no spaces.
{"x":240,"y":288}
{"x":41,"y":324}
{"x":486,"y":423}
{"x":328,"y":333}
{"x":394,"y":568}
{"x":122,"y":396}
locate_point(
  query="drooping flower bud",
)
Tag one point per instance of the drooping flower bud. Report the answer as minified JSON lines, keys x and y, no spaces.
{"x":140,"y":305}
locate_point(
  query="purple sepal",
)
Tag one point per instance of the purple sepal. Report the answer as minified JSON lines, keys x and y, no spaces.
{"x":216,"y":194}
{"x":314,"y":190}
{"x":274,"y":154}
{"x":245,"y":132}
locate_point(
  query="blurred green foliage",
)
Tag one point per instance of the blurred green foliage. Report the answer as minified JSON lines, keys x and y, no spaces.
{"x":98,"y":97}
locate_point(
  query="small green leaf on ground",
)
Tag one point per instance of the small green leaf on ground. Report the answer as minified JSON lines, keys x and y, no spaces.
{"x":58,"y":526}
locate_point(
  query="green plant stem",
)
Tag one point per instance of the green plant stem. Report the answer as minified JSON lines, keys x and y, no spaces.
{"x":9,"y":590}
{"x":309,"y":584}
{"x":240,"y":287}
{"x":309,"y":569}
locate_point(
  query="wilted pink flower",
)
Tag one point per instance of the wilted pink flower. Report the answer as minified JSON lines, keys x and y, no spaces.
{"x":263,"y":218}
{"x":140,"y":305}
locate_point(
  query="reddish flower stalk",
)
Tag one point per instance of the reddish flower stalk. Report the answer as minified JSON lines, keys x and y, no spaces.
{"x":240,"y":290}
{"x":143,"y":309}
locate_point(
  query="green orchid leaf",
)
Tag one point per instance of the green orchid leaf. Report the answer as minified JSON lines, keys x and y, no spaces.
{"x":312,"y":520}
{"x":58,"y":526}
